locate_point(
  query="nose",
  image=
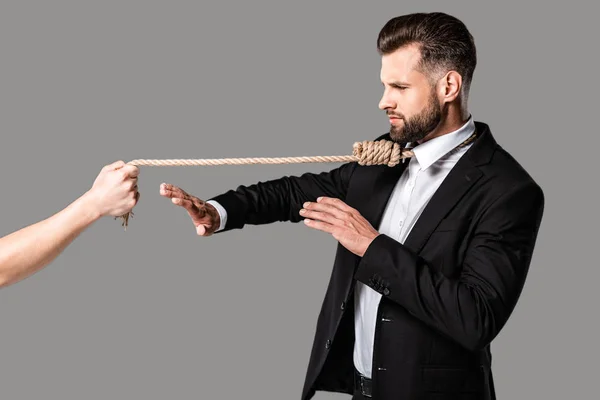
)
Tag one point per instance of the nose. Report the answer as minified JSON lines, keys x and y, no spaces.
{"x":386,"y":102}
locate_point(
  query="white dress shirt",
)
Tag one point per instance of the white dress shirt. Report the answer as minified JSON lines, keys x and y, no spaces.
{"x":425,"y":172}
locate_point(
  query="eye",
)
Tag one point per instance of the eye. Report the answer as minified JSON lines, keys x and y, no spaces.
{"x":400,"y":87}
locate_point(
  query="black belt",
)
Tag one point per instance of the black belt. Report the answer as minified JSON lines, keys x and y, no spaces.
{"x":362,"y":384}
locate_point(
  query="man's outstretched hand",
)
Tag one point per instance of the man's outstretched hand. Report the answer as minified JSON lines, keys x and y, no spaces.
{"x":204,"y":216}
{"x":343,"y":222}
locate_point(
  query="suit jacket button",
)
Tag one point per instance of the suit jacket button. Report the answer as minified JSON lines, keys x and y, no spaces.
{"x":386,"y":291}
{"x":343,"y":306}
{"x":328,"y":344}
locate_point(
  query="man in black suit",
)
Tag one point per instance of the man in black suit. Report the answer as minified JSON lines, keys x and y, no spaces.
{"x":413,"y":304}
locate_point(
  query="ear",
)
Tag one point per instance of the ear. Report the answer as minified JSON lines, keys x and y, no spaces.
{"x":450,"y":86}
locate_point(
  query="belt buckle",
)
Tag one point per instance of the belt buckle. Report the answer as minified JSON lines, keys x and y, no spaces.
{"x":365,"y":392}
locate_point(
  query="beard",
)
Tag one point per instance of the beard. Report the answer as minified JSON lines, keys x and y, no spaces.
{"x":418,"y":126}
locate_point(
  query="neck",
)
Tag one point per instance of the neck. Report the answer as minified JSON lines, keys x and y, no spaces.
{"x":452,"y":120}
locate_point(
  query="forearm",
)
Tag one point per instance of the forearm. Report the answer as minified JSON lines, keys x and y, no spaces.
{"x":281,"y":199}
{"x":26,"y":251}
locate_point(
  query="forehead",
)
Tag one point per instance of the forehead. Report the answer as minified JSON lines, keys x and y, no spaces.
{"x":401,"y":64}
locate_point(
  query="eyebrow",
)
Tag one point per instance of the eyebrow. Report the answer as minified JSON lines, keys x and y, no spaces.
{"x":398,"y":83}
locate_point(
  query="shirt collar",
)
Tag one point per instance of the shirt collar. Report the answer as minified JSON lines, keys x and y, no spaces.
{"x":432,"y":150}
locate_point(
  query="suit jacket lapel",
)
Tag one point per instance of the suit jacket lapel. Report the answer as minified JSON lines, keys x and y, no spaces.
{"x":378,"y":182}
{"x":460,"y":179}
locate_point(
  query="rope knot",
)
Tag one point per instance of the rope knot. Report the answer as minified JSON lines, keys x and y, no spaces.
{"x":382,"y":152}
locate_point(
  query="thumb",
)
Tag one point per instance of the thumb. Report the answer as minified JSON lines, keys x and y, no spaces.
{"x":116,"y":165}
{"x":201,"y":230}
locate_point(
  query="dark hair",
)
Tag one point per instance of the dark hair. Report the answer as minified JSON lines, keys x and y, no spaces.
{"x":444,"y":41}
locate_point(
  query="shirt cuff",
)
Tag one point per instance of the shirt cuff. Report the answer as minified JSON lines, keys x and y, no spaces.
{"x":222,"y":214}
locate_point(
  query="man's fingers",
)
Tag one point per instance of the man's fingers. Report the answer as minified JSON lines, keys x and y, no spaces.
{"x":334,"y":202}
{"x":187,"y":204}
{"x":173,"y":190}
{"x":319,"y":225}
{"x":326,"y":208}
{"x":171,"y":187}
{"x":320,"y":216}
{"x":172,"y":193}
{"x":166,"y":188}
{"x":190,"y":206}
{"x":166,"y":192}
{"x":175,"y":195}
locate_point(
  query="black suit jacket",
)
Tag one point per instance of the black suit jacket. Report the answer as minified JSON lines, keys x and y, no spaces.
{"x":446,"y":292}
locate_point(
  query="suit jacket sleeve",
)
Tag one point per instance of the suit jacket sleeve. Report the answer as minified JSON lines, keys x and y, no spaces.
{"x":473,"y":307}
{"x":281,"y":199}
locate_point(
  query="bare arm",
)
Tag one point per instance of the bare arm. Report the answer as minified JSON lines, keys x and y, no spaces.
{"x":28,"y":250}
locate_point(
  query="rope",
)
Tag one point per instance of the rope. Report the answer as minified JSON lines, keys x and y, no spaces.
{"x":382,"y":152}
{"x":367,"y":153}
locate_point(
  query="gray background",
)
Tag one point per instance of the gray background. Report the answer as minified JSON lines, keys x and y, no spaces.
{"x":157,"y":312}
